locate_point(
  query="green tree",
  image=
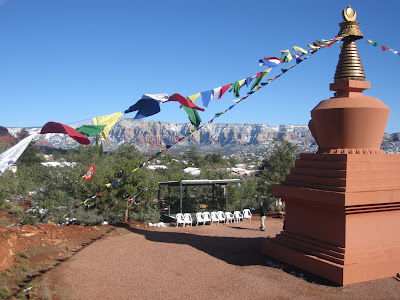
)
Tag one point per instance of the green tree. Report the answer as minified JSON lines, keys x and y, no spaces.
{"x":194,"y":159}
{"x":30,"y":156}
{"x":274,"y":168}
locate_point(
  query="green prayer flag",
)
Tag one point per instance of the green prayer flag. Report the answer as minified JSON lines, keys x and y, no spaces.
{"x":91,"y":130}
{"x":236,"y":89}
{"x":375,"y":44}
{"x":258,"y":80}
{"x":193,"y":116}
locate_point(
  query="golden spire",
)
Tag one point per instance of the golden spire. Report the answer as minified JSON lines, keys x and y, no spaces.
{"x":349,"y":65}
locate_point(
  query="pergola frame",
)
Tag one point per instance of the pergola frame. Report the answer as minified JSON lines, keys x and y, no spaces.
{"x":213,"y":182}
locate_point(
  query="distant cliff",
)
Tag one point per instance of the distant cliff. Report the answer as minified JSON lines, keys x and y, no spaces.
{"x":245,"y":139}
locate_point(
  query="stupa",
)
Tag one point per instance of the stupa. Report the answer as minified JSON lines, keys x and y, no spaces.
{"x":343,"y":202}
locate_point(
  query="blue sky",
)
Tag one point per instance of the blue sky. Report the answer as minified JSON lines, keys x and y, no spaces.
{"x":72,"y":60}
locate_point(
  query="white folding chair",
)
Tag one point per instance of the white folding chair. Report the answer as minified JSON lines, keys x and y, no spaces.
{"x":229,"y":217}
{"x":179,"y":219}
{"x":214,"y":217}
{"x":246,"y":214}
{"x":207,"y":217}
{"x":199,"y":218}
{"x":187,"y":218}
{"x":238,"y":216}
{"x":221,"y":216}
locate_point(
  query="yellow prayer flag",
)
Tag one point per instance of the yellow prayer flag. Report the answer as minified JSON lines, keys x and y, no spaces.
{"x":312,"y":46}
{"x":258,"y":87}
{"x":289,"y":56}
{"x":241,"y":81}
{"x":369,"y":41}
{"x":109,"y":121}
{"x":108,"y":184}
{"x":297,"y":48}
{"x":134,"y":170}
{"x":194,"y":97}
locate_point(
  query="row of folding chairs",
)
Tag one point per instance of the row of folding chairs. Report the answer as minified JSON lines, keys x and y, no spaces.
{"x":213,"y":217}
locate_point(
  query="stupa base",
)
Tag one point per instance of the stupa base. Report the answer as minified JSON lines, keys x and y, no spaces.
{"x":342,"y":217}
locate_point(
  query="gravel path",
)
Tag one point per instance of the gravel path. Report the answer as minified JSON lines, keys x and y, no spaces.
{"x":216,"y":262}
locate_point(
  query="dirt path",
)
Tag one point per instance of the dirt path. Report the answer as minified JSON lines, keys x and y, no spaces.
{"x":216,"y":262}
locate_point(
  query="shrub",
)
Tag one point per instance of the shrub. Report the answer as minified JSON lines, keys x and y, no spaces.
{"x":28,"y":219}
{"x":146,"y":215}
{"x":4,"y":292}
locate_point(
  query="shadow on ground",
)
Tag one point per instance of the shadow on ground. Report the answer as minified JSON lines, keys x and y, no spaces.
{"x":232,"y":250}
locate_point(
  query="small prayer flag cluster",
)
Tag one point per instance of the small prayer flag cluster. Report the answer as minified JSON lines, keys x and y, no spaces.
{"x":384,"y":48}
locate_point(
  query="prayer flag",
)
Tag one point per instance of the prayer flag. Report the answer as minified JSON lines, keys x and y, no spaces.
{"x":11,"y":155}
{"x":206,"y":97}
{"x":313,"y":47}
{"x":185,"y":102}
{"x":148,"y":105}
{"x":288,"y":56}
{"x":54,"y":127}
{"x":270,"y":61}
{"x":223,"y":90}
{"x":91,"y":130}
{"x":216,"y":91}
{"x":384,"y":48}
{"x":297,"y":48}
{"x":258,"y":80}
{"x":369,"y":41}
{"x":89,"y":173}
{"x":194,"y":97}
{"x":236,"y":89}
{"x":375,"y":44}
{"x":145,"y":108}
{"x":248,"y":80}
{"x":109,"y":121}
{"x":193,"y":116}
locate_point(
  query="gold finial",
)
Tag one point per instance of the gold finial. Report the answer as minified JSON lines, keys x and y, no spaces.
{"x":349,"y":65}
{"x":349,"y":14}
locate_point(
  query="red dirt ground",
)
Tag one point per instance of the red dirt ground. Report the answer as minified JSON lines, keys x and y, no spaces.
{"x":135,"y":261}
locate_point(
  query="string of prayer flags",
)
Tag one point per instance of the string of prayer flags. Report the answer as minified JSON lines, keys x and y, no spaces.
{"x":91,"y":130}
{"x":11,"y":155}
{"x":109,"y":121}
{"x":270,"y":62}
{"x":221,"y":90}
{"x":89,"y":173}
{"x":183,"y":101}
{"x":54,"y":127}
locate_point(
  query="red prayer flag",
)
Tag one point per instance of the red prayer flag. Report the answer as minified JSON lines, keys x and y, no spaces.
{"x":384,"y":48}
{"x":223,"y":90}
{"x":185,"y":102}
{"x":89,"y":173}
{"x":54,"y":127}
